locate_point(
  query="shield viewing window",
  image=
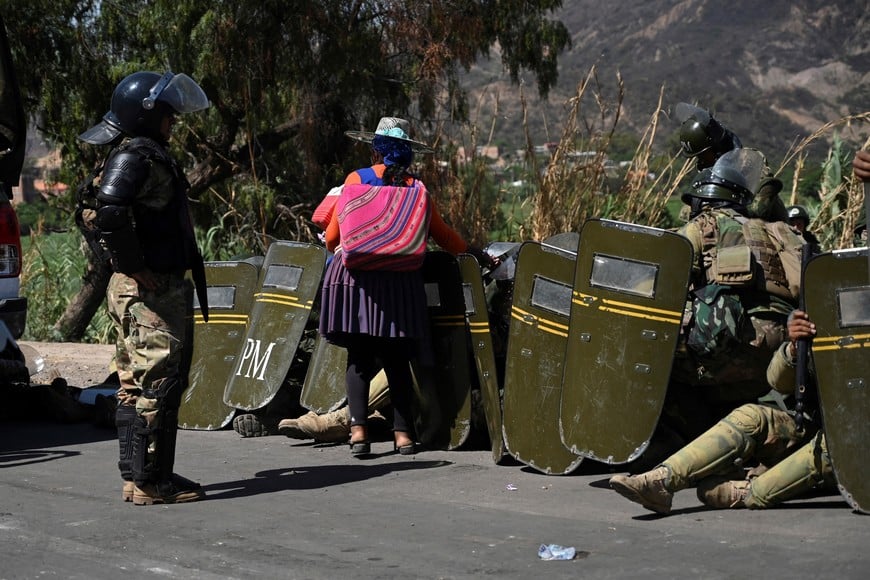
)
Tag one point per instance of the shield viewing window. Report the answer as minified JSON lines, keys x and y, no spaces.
{"x":551,"y":295}
{"x":468,"y":295}
{"x":624,"y":275}
{"x":219,"y":297}
{"x":283,"y":277}
{"x":854,"y":306}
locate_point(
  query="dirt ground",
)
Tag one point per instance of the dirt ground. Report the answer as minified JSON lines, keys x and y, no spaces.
{"x":82,"y":365}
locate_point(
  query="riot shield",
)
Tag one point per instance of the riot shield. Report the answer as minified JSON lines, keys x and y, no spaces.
{"x":217,"y":344}
{"x":477,"y":320}
{"x":837,"y":294}
{"x":444,"y":389}
{"x":324,"y":389}
{"x":288,"y":284}
{"x":630,"y":288}
{"x":535,"y":357}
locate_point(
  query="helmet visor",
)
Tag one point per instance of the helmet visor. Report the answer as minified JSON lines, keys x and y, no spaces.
{"x":181,"y":93}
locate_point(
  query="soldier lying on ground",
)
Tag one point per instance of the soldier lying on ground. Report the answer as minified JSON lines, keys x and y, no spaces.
{"x":334,"y":427}
{"x":791,"y":461}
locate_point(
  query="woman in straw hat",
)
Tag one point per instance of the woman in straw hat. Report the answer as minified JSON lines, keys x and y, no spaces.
{"x":381,"y":315}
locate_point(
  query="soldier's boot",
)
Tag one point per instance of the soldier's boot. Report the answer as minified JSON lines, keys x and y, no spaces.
{"x":333,"y":427}
{"x":649,"y":489}
{"x":249,"y":425}
{"x":181,"y":484}
{"x":155,"y":481}
{"x":722,"y":493}
{"x":290,"y":427}
{"x":720,"y":450}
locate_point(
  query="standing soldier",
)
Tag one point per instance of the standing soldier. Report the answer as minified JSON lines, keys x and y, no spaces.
{"x":143,"y":220}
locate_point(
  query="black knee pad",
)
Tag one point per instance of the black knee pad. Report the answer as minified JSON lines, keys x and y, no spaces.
{"x":125,"y":416}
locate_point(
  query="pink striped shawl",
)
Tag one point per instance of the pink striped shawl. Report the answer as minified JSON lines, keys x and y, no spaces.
{"x":383,"y":227}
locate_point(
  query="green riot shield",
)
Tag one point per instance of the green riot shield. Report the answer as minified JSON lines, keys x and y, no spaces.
{"x":444,"y":389}
{"x":837,"y":294}
{"x":217,"y":343}
{"x":535,"y":357}
{"x":288,"y":284}
{"x":630,"y":289}
{"x":324,"y":389}
{"x":477,"y":319}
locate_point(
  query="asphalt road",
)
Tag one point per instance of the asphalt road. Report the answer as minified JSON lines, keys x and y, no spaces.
{"x":279,"y":508}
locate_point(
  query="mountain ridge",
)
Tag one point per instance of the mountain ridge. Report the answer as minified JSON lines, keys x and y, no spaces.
{"x":773,"y":72}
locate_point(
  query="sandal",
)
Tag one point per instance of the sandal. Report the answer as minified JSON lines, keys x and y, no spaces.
{"x":362,"y":447}
{"x":406,"y":449}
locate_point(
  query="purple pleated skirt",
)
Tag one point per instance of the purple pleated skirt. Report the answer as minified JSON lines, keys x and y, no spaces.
{"x":372,"y":302}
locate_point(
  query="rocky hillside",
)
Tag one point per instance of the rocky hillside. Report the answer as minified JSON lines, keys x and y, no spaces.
{"x":772,"y":71}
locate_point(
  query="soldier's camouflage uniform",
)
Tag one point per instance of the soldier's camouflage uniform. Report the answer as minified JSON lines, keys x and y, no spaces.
{"x":154,"y":326}
{"x":734,"y":322}
{"x":797,"y":460}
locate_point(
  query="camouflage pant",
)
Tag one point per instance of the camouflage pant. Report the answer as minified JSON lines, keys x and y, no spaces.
{"x":154,"y":328}
{"x":797,"y":459}
{"x":701,"y":391}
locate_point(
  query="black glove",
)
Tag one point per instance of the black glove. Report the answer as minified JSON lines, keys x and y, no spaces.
{"x":483,"y":259}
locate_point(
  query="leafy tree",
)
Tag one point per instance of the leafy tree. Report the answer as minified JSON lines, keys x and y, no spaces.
{"x":286,"y":78}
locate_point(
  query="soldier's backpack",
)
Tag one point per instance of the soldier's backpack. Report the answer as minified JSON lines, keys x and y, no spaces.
{"x":778,"y":249}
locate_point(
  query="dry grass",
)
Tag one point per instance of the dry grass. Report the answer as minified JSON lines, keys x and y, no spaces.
{"x":841,"y":195}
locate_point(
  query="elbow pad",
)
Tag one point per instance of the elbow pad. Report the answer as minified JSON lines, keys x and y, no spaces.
{"x":123,"y":176}
{"x":120,"y":239}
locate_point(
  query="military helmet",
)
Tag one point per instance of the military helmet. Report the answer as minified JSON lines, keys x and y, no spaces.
{"x":141,"y":101}
{"x":798,"y":212}
{"x":709,"y":185}
{"x":734,"y":178}
{"x":699,"y":135}
{"x":700,"y":132}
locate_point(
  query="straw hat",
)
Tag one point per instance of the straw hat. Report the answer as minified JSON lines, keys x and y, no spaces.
{"x":394,"y":128}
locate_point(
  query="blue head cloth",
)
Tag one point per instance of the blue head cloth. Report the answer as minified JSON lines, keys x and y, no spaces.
{"x":394,"y":151}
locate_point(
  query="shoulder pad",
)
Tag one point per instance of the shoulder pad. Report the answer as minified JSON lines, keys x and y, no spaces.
{"x":124,"y":174}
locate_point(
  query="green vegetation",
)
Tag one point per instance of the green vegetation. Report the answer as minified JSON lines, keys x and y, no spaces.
{"x":53,"y":267}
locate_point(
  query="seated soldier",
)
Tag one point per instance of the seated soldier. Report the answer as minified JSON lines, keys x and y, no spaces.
{"x":792,"y":460}
{"x":744,"y":282}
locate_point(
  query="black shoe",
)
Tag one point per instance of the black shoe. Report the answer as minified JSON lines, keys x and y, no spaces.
{"x":407,"y":449}
{"x":359,"y":448}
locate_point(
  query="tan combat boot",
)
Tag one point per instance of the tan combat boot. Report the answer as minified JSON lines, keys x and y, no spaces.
{"x":290,"y":427}
{"x":165,"y":492}
{"x":127,"y":490}
{"x":331,"y":427}
{"x":721,"y":493}
{"x":648,"y":489}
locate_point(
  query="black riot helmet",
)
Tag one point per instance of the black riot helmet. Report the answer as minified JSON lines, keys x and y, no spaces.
{"x":703,"y":137}
{"x":733,"y":179}
{"x":141,"y":101}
